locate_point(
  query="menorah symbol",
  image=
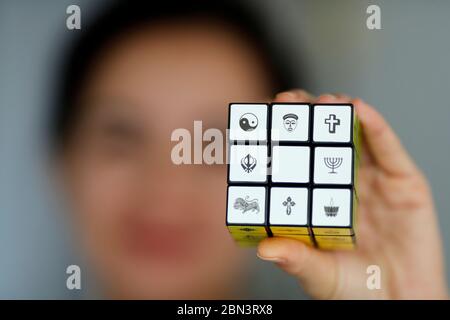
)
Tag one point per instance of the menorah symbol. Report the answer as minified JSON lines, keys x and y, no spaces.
{"x":332,"y":163}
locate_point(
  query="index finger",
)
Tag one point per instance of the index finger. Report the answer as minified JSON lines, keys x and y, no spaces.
{"x":296,"y":95}
{"x":382,"y":142}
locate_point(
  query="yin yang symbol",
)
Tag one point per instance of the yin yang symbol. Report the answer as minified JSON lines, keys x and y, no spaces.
{"x":248,"y":122}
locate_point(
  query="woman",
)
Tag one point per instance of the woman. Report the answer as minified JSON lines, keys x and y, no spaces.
{"x":152,"y":229}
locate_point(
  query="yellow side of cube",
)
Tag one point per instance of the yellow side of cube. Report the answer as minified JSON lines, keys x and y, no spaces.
{"x":288,"y":230}
{"x":335,"y":242}
{"x":247,"y":229}
{"x":320,"y":231}
{"x":248,"y":236}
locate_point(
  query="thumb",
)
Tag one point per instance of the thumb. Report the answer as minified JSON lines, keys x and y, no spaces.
{"x":316,"y":270}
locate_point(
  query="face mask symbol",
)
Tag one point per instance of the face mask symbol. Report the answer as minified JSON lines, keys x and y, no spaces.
{"x":290,"y":122}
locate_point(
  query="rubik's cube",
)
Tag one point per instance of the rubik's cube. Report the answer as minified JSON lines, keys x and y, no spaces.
{"x":292,"y":169}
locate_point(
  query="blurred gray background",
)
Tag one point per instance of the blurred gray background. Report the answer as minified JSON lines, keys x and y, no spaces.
{"x":403,"y":70}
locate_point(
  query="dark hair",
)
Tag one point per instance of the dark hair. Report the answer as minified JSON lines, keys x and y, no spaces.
{"x":122,"y":16}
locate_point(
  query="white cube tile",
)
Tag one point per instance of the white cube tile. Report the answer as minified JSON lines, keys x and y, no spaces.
{"x":290,"y":122}
{"x":333,"y":165}
{"x":248,"y":122}
{"x":248,"y":163}
{"x":331,"y":207}
{"x":288,"y":206}
{"x":290,"y":164}
{"x":246,"y":205}
{"x":332,"y":123}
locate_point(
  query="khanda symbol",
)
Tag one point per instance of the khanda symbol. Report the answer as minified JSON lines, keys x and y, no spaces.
{"x":248,"y":163}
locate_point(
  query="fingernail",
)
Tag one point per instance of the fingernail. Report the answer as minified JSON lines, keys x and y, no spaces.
{"x":327,"y":95}
{"x":271,"y":259}
{"x":286,"y":94}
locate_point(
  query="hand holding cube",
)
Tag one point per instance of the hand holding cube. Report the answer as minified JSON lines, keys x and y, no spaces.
{"x":397,"y":225}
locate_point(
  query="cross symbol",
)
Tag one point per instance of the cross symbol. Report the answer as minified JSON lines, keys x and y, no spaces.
{"x":288,"y":204}
{"x":332,"y":122}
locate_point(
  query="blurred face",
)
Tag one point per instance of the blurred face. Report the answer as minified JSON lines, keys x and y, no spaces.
{"x":154,"y":229}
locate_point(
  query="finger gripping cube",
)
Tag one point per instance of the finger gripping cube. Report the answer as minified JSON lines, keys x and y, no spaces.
{"x":292,"y":173}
